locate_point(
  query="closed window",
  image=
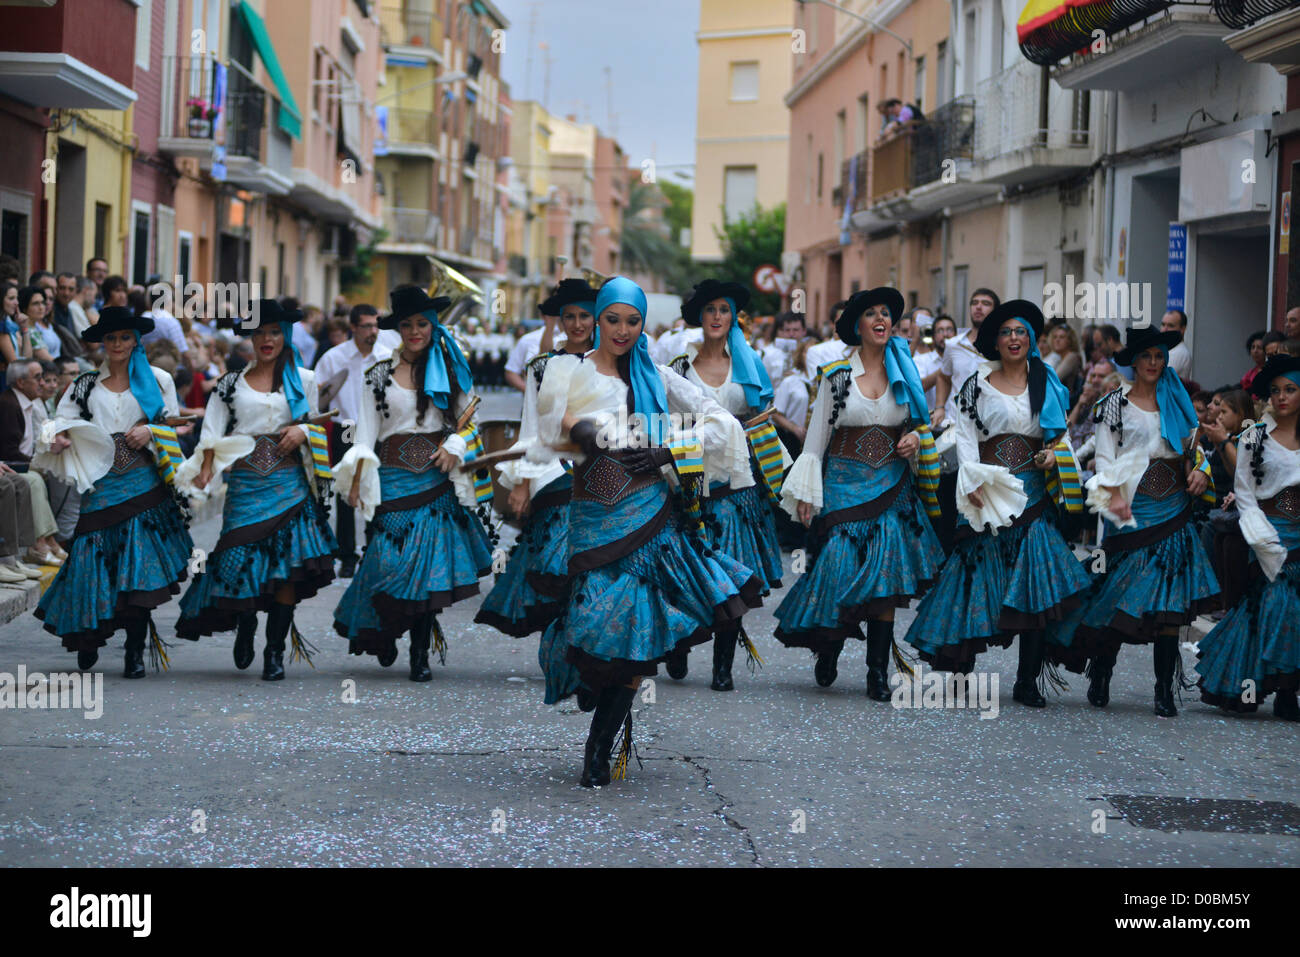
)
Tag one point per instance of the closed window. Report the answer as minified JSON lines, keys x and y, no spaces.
{"x":744,"y":82}
{"x":740,"y":191}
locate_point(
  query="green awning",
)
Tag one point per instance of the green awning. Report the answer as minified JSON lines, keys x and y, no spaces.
{"x":288,"y":117}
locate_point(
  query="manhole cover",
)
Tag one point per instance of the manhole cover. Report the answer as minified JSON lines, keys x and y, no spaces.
{"x":1207,"y":814}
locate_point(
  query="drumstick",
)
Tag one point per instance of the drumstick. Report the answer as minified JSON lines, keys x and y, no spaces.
{"x":760,"y":418}
{"x":508,"y":455}
{"x":468,"y":414}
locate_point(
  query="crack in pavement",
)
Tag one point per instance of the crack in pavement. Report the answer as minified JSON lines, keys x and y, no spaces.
{"x":466,"y":754}
{"x":723,"y":804}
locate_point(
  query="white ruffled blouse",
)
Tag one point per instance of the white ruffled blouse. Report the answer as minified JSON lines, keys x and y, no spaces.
{"x":537,"y":474}
{"x":573,"y":386}
{"x":804,"y":483}
{"x":373,"y":427}
{"x":1281,"y":469}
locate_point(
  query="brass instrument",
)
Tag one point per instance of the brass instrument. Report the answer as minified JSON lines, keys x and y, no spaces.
{"x":594,"y":279}
{"x":465,"y":295}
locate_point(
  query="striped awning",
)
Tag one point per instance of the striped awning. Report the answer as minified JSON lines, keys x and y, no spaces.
{"x":1050,"y":30}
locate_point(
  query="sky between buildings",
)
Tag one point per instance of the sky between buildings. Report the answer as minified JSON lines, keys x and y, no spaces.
{"x":652,"y":55}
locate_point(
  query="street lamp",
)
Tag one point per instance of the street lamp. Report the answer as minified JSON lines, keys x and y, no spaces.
{"x":857,"y":16}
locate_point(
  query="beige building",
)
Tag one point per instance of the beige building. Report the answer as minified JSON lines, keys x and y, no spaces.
{"x":742,"y":125}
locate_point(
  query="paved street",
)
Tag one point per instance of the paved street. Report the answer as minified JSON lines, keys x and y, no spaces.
{"x":210,"y":766}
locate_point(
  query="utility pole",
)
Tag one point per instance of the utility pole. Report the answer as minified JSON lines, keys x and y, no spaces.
{"x":532,"y":34}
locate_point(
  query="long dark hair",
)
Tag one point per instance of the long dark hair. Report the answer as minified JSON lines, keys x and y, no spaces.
{"x":418,"y":365}
{"x":1036,"y":378}
{"x":277,"y":376}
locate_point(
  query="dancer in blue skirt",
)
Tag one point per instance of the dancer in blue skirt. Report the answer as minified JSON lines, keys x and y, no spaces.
{"x":737,"y":509}
{"x":1010,"y":571}
{"x":426,"y":548}
{"x":276,"y":547}
{"x":643,"y":580}
{"x":873,"y":548}
{"x":131,"y":548}
{"x":1157,"y":574}
{"x":530,"y":593}
{"x":1255,"y":650}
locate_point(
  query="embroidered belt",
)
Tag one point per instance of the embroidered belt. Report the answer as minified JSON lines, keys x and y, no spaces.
{"x":1163,"y":478}
{"x":265,"y":457}
{"x":412,"y":451}
{"x":1010,"y":449}
{"x":873,"y":444}
{"x":604,"y":479}
{"x":1285,"y":504}
{"x":126,"y":458}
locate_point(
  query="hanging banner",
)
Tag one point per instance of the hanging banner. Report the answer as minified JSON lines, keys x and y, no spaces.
{"x":1176,"y":289}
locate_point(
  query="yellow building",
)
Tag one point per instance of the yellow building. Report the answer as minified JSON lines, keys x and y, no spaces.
{"x":742,"y":124}
{"x":90,"y":194}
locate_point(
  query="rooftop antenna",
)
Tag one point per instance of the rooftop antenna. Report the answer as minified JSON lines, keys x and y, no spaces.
{"x":532,"y":34}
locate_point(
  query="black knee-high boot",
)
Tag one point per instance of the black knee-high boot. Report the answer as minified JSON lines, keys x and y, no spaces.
{"x":1025,"y":689}
{"x":86,"y":658}
{"x":244,"y":650}
{"x":1100,"y":670}
{"x":612,"y":706}
{"x":1285,"y":706}
{"x":1166,"y":655}
{"x":278,"y":621}
{"x":421,"y":633}
{"x":825,"y":670}
{"x":137,"y":631}
{"x":880,"y":638}
{"x":675,"y":662}
{"x":724,"y":653}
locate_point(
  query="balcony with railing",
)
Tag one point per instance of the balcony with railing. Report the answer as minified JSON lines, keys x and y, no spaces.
{"x":1264,"y":31}
{"x":411,"y":26}
{"x":411,"y":227}
{"x":412,"y":132}
{"x":1028,"y":129}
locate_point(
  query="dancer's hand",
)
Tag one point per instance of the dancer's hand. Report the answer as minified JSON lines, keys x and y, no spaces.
{"x":354,"y":494}
{"x":976,"y":499}
{"x":909,"y":445}
{"x":204,"y":477}
{"x":805,"y":511}
{"x":290,"y":438}
{"x":1120,"y":508}
{"x":445,"y":460}
{"x":520,"y":501}
{"x":1197,"y":483}
{"x":138,"y":436}
{"x":60,"y":442}
{"x":645,"y":461}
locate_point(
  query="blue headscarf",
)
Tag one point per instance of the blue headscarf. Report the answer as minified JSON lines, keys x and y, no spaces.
{"x":1292,"y":376}
{"x":904,"y":380}
{"x":144,"y":386}
{"x":437,"y":381}
{"x":1177,"y":414}
{"x":747,"y":369}
{"x":648,"y":393}
{"x":294,"y":393}
{"x":1056,"y":397}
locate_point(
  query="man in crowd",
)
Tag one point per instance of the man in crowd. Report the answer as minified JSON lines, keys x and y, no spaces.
{"x":1291,"y":323}
{"x":19,"y":420}
{"x":340,"y":378}
{"x":304,"y":330}
{"x":790,"y":328}
{"x":97,"y":272}
{"x":65,"y":291}
{"x":1180,"y":357}
{"x":165,"y":325}
{"x":525,"y":351}
{"x":113,"y":292}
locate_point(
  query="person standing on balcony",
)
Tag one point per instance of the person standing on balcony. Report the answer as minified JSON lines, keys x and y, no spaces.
{"x":895,"y":115}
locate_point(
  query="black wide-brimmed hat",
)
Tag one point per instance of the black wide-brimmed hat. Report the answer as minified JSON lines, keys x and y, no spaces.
{"x":1277,"y":365}
{"x":116,"y":319}
{"x":986,"y":340}
{"x":858,"y":303}
{"x":567,"y":293}
{"x":265,"y":313}
{"x":1139,"y":341}
{"x":709,"y":290}
{"x":409,"y":301}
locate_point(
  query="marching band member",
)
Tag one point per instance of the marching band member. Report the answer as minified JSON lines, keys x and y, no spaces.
{"x":1157,"y":574}
{"x":427,"y":549}
{"x":1010,"y":571}
{"x":873,"y":548}
{"x":131,"y":548}
{"x":276,"y":547}
{"x":642,"y":582}
{"x":529,"y":594}
{"x":736,"y":510}
{"x":1255,"y":650}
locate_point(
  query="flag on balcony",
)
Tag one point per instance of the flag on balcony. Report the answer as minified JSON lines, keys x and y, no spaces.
{"x":1039,"y":13}
{"x":846,"y":233}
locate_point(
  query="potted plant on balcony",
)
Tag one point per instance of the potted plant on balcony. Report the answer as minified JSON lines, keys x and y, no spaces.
{"x":202,"y":113}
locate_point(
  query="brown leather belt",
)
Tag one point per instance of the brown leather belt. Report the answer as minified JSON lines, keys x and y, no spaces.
{"x":126,"y":458}
{"x":604,"y":479}
{"x":1163,"y":478}
{"x":1285,"y":504}
{"x":1010,"y":449}
{"x":873,"y":444}
{"x":265,"y":457}
{"x":412,"y":451}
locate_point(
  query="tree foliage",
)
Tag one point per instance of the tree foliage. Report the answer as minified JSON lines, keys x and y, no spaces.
{"x":755,"y":239}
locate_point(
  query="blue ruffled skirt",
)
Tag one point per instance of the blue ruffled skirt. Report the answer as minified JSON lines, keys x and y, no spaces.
{"x":418,"y":560}
{"x":1258,"y":640}
{"x":624,"y":616}
{"x":993,"y":587}
{"x":1165,"y":583}
{"x":740,"y":524}
{"x":273,"y":533}
{"x":121,"y":571}
{"x":862,"y":568}
{"x":529,"y":594}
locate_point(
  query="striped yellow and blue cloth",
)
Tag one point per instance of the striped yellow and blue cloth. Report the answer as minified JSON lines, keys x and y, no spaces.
{"x":765,"y":445}
{"x":473,"y":449}
{"x":927,"y":471}
{"x":1202,"y":464}
{"x":320,"y":452}
{"x":167,"y":451}
{"x":1063,"y":481}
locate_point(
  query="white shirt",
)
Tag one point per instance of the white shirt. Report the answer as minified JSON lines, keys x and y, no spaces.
{"x":1180,"y":360}
{"x":27,"y":443}
{"x":927,"y":363}
{"x":776,"y":357}
{"x":730,"y":395}
{"x":80,"y":321}
{"x":673,"y":344}
{"x":346,"y":364}
{"x":526,"y":349}
{"x":822,"y":353}
{"x":959,"y":363}
{"x":53,"y":344}
{"x":306,"y":343}
{"x":791,"y":399}
{"x":256,"y":413}
{"x":165,"y":326}
{"x":1281,"y":469}
{"x":116,"y":411}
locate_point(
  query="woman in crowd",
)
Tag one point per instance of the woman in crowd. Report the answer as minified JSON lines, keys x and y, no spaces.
{"x":1254,"y":346}
{"x":33,"y":306}
{"x":131,"y":548}
{"x":530,"y":593}
{"x":17,"y":340}
{"x":643,"y":580}
{"x":1064,"y":356}
{"x":426,"y":549}
{"x":1011,"y":571}
{"x":1157,"y":576}
{"x":737,"y":508}
{"x":276,"y":548}
{"x":1255,"y":650}
{"x":873,"y":546}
